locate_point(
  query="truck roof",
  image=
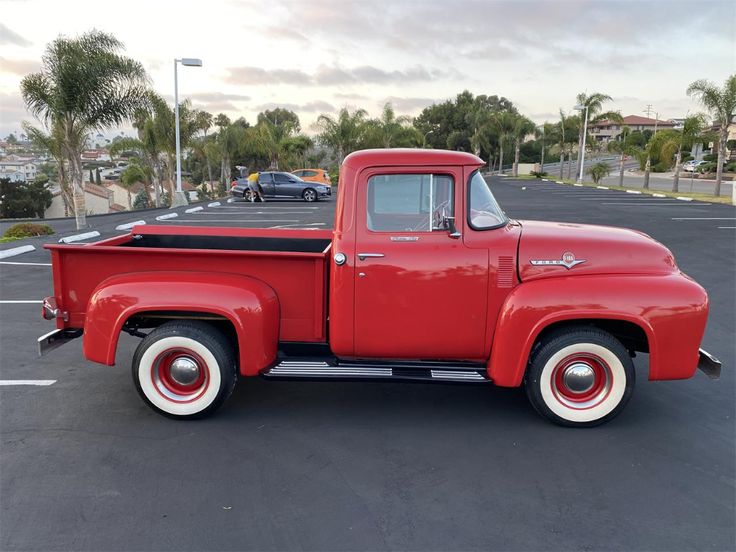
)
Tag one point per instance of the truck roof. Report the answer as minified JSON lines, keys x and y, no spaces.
{"x":407,"y":156}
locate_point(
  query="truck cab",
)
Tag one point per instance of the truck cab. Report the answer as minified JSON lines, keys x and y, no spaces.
{"x":424,"y":278}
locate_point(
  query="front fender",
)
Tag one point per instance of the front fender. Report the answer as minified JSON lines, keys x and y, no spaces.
{"x":671,"y":309}
{"x":249,"y":304}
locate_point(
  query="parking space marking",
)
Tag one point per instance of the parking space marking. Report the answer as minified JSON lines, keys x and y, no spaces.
{"x":704,"y":218}
{"x":13,"y":251}
{"x":15,"y":302}
{"x":23,"y":264}
{"x":655,"y":203}
{"x":254,"y":213}
{"x":27,"y":382}
{"x":727,"y":227}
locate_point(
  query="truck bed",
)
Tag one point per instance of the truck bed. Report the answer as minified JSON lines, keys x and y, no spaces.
{"x":292,"y":262}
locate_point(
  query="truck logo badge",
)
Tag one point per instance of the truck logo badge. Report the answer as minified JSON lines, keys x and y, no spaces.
{"x":568,"y":261}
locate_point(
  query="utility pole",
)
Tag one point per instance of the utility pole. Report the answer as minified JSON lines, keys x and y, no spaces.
{"x":648,"y":111}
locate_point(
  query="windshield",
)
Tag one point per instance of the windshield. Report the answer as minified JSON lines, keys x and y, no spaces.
{"x":483,"y":211}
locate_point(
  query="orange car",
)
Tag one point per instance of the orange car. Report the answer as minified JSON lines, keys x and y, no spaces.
{"x":314,"y":175}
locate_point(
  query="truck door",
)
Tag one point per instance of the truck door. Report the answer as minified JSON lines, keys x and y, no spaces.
{"x":419,"y":293}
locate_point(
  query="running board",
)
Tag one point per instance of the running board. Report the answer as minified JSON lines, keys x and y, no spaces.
{"x":360,"y":370}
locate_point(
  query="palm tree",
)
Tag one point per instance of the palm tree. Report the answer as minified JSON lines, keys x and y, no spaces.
{"x":343,"y":134}
{"x":691,"y":133}
{"x":390,"y":131}
{"x":52,"y":142}
{"x":594,"y":102}
{"x":85,"y":85}
{"x":599,"y":171}
{"x":623,"y":147}
{"x":504,"y":124}
{"x":522,"y":127}
{"x":133,"y":174}
{"x":562,"y":141}
{"x":722,"y":106}
{"x":204,"y":123}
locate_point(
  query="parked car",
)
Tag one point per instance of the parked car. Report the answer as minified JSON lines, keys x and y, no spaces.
{"x":692,"y":165}
{"x":424,"y":278}
{"x":281,"y":185}
{"x":314,"y":175}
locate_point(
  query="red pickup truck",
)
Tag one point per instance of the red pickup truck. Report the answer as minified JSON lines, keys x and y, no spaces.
{"x":424,"y":278}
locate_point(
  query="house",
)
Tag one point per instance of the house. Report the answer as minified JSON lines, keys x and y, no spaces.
{"x":98,"y":201}
{"x":120,"y":192}
{"x":605,"y":131}
{"x":18,"y":169}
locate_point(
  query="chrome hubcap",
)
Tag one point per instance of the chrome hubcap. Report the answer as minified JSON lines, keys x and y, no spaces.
{"x":184,"y":371}
{"x":579,"y":377}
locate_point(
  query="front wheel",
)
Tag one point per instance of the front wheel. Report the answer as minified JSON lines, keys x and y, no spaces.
{"x":579,"y":377}
{"x":309,"y":195}
{"x":246,"y":195}
{"x":184,"y":369}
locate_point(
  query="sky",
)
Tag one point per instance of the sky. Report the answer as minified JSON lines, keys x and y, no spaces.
{"x":316,"y":56}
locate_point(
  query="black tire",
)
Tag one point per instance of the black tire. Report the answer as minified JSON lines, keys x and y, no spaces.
{"x":246,"y":195}
{"x":310,"y":195}
{"x":191,"y":342}
{"x":560,"y":368}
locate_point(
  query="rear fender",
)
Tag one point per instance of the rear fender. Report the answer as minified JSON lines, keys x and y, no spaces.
{"x":249,"y":304}
{"x":671,"y":310}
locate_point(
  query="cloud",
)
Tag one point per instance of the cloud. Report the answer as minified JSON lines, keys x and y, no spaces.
{"x":18,"y":66}
{"x":259,"y":76}
{"x":317,"y":106}
{"x":13,"y":113}
{"x":408,"y":105}
{"x":8,"y":37}
{"x":334,"y":76}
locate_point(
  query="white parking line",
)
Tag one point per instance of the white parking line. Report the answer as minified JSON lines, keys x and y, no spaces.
{"x":79,"y":237}
{"x":13,"y":251}
{"x":23,"y":264}
{"x":653,"y":203}
{"x":27,"y":382}
{"x":727,"y":227}
{"x":704,"y":218}
{"x":233,"y":213}
{"x":129,"y":225}
{"x":13,"y":302}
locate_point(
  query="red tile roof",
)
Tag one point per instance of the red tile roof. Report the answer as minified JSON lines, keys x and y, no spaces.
{"x":94,"y":189}
{"x":116,"y":208}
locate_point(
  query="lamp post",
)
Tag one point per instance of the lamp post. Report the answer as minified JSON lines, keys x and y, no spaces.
{"x":179,"y":197}
{"x":424,"y":142}
{"x":585,"y":134}
{"x":541,"y":165}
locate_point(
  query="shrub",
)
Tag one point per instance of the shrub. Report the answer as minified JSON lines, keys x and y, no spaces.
{"x":598,"y":171}
{"x":707,"y":167}
{"x":27,"y":230}
{"x":710,"y":157}
{"x":141,"y":201}
{"x":730,"y":167}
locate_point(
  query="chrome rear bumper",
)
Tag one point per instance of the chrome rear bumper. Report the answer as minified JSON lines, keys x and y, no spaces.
{"x":57,"y":338}
{"x":709,"y":365}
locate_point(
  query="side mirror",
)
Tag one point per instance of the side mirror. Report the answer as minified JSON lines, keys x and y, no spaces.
{"x":449,"y":224}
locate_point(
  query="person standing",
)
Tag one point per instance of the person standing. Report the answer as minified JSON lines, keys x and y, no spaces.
{"x":254,"y":187}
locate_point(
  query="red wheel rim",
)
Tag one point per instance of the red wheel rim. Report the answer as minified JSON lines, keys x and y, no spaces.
{"x":166,"y":384}
{"x":594,"y":368}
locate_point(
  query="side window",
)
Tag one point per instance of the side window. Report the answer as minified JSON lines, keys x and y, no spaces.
{"x":299,"y":173}
{"x":309,"y":173}
{"x":409,"y":202}
{"x":281,"y":179}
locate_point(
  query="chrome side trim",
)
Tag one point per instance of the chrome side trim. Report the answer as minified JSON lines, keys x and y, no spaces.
{"x":457,"y":375}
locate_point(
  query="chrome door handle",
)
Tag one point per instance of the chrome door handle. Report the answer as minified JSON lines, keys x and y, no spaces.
{"x":364,"y":256}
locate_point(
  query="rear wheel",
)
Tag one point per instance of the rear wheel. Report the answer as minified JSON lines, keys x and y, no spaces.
{"x":246,"y":195}
{"x":309,"y":195}
{"x":579,"y":377}
{"x":184,"y":369}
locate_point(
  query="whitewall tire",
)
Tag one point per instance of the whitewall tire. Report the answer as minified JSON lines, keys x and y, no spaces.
{"x":579,"y":377}
{"x":184,"y":369}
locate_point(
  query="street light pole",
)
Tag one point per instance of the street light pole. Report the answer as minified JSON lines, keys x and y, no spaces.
{"x":541,"y":168}
{"x":585,"y":135}
{"x":179,"y":196}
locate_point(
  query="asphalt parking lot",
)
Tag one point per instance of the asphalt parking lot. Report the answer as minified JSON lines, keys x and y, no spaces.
{"x":85,"y":465}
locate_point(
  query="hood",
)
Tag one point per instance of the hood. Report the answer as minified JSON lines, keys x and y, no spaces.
{"x":553,"y":249}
